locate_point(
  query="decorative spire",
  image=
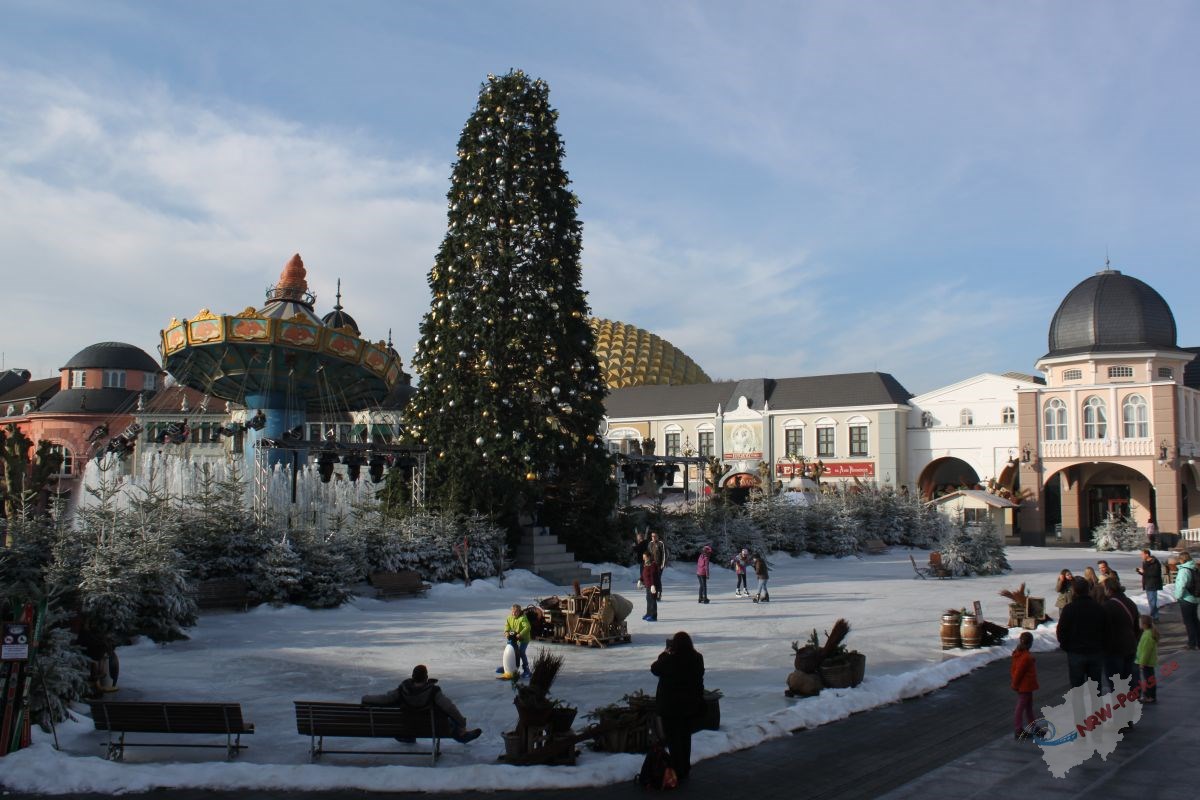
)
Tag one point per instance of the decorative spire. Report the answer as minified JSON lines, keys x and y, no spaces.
{"x":293,"y":280}
{"x":337,"y":306}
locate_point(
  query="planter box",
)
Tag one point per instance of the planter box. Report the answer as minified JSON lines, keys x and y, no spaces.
{"x":711,"y":721}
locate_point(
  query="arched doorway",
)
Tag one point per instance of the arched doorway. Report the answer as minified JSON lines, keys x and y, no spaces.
{"x":1088,"y":493}
{"x":944,"y":475}
{"x":738,"y":486}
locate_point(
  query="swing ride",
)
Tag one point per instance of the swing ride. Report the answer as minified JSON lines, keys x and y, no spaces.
{"x":282,"y":362}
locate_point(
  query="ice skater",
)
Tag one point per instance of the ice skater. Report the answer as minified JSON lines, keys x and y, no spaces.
{"x":702,"y":569}
{"x":650,"y":581}
{"x":741,"y":564}
{"x":760,"y":572}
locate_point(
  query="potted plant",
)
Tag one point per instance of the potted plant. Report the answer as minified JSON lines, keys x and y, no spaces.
{"x":808,"y":657}
{"x":626,"y":724}
{"x":841,"y":668}
{"x":562,"y":716}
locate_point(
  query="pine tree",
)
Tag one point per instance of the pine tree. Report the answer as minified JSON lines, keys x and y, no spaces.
{"x":511,"y":394}
{"x":1118,"y":533}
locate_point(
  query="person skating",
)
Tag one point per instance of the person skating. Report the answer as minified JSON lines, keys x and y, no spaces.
{"x":760,"y":572}
{"x":649,"y":581}
{"x":740,"y":564}
{"x":658,"y":551}
{"x":419,"y":692}
{"x":517,"y":626}
{"x":702,"y":569}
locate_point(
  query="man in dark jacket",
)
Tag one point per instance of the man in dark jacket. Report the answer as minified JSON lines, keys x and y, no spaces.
{"x":1081,"y":635}
{"x":638,"y":548}
{"x":1121,"y":633}
{"x":1152,"y":581}
{"x":419,"y":692}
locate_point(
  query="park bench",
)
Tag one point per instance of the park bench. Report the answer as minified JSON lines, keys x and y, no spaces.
{"x":318,"y":720}
{"x":221,"y":593}
{"x":122,"y":717}
{"x":874,"y":547}
{"x":395,"y":584}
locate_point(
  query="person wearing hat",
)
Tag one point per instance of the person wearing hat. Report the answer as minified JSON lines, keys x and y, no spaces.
{"x":419,"y":692}
{"x":741,"y":566}
{"x":702,"y":567}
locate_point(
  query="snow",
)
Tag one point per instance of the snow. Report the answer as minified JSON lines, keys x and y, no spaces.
{"x":268,"y":657}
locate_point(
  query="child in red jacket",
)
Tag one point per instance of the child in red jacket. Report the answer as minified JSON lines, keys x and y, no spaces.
{"x":1024,"y":683}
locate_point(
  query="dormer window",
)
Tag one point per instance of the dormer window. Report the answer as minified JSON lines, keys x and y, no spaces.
{"x":12,"y":409}
{"x":1072,"y":374}
{"x":1120,"y":372}
{"x":148,"y":383}
{"x":78,"y":379}
{"x":114,"y":379}
{"x":25,"y":409}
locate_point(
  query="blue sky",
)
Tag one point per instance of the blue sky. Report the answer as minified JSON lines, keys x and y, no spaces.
{"x":778,"y":189}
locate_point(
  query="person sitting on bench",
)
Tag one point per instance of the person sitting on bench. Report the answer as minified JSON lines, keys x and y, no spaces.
{"x":419,"y":692}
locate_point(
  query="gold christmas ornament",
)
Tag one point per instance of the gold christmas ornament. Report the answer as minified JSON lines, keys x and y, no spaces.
{"x":531,"y":476}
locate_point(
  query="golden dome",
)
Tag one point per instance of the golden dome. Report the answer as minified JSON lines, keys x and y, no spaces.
{"x":630,"y":356}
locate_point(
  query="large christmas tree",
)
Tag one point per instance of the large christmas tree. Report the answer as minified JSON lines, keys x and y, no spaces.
{"x":510,"y":395}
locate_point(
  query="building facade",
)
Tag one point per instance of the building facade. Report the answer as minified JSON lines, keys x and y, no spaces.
{"x":1116,"y":427}
{"x":762,"y":429}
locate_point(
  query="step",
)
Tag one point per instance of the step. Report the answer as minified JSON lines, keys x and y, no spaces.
{"x":567,"y":577}
{"x":539,"y":548}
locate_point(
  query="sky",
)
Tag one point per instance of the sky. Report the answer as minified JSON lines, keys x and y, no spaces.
{"x":778,"y":189}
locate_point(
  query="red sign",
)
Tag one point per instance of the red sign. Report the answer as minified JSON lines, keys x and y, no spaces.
{"x":850,"y":469}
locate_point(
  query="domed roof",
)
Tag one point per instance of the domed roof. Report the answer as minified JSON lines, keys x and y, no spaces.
{"x":630,"y":356}
{"x":338,"y":318}
{"x":1110,"y":311}
{"x":112,"y":355}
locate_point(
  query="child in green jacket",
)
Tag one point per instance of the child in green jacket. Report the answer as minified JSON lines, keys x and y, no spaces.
{"x":1147,"y":659}
{"x":518,"y":626}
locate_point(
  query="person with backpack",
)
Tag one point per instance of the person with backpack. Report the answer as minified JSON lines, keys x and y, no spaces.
{"x":680,"y":698}
{"x":1187,"y":594}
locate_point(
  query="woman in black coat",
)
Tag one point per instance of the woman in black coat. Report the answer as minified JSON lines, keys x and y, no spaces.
{"x":680,"y":698}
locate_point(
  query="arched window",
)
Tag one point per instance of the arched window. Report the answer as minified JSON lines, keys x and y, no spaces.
{"x":1008,"y":416}
{"x":1136,"y":417}
{"x":1054,"y":421}
{"x":965,"y":417}
{"x":671,"y":434}
{"x":1095,"y":419}
{"x":704,"y":439}
{"x":619,"y":439}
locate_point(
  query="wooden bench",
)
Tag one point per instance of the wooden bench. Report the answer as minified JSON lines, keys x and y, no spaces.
{"x":318,"y":720}
{"x":221,"y":593}
{"x":874,"y":547}
{"x":395,"y":584}
{"x":122,"y":717}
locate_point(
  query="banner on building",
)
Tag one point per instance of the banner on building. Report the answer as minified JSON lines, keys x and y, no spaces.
{"x":743,"y":441}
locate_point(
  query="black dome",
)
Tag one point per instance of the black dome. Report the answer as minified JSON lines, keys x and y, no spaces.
{"x":112,"y":355}
{"x":340,"y":319}
{"x":1110,"y":311}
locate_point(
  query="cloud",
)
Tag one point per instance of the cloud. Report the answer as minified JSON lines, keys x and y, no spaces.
{"x":129,"y":207}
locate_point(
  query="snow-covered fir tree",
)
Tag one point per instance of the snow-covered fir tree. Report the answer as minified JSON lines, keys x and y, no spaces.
{"x":973,"y":548}
{"x":510,"y":394}
{"x":1118,"y":533}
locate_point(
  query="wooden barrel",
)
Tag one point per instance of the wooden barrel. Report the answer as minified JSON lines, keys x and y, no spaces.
{"x":970,"y":632}
{"x":951,"y":622}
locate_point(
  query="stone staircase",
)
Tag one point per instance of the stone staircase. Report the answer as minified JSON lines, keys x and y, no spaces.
{"x":541,"y":553}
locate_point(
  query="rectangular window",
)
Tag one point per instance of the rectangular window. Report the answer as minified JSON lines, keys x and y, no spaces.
{"x":793,"y":442}
{"x":825,"y":442}
{"x":672,"y":444}
{"x":1166,"y":372}
{"x":114,"y":379}
{"x":858,"y":440}
{"x":975,"y":516}
{"x":314,"y":432}
{"x":78,"y":379}
{"x":1072,"y":374}
{"x":149,"y":382}
{"x":1120,"y":372}
{"x":706,"y":443}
